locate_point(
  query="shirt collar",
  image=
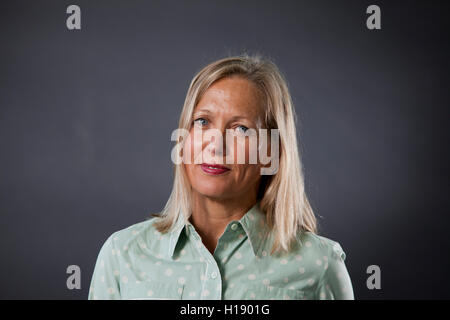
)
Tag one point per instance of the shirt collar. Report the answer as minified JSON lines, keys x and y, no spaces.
{"x":253,"y":222}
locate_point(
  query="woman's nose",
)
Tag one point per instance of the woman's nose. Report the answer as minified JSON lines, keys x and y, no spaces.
{"x":215,"y":142}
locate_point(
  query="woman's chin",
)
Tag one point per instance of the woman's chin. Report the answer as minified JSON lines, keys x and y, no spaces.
{"x":214,"y":192}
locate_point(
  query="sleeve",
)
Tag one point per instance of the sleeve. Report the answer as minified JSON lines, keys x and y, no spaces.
{"x":335,"y":283}
{"x":105,"y":279}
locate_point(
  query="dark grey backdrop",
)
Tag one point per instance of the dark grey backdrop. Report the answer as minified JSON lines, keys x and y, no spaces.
{"x":86,"y":118}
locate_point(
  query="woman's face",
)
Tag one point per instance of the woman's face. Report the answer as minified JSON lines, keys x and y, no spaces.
{"x":232,"y":103}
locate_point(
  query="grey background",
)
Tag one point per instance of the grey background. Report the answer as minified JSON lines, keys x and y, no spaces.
{"x":86,"y":118}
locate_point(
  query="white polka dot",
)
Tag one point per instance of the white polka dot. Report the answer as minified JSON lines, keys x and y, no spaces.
{"x":188,"y":267}
{"x":283,"y":261}
{"x":238,"y":255}
{"x":266,"y":282}
{"x":202,"y":277}
{"x":308,"y":244}
{"x":142,"y":274}
{"x":134,"y":232}
{"x":158,"y":263}
{"x":325,"y":258}
{"x":322,"y":295}
{"x":142,"y":245}
{"x":149,"y":293}
{"x":319,"y":262}
{"x":251,"y":277}
{"x":192,"y":294}
{"x":116,"y":272}
{"x":224,"y":260}
{"x":159,"y":255}
{"x":252,"y":295}
{"x":125,"y":248}
{"x":292,"y":288}
{"x":298,"y":257}
{"x":270,"y":271}
{"x":102,"y":263}
{"x":240,"y":267}
{"x":181,"y":280}
{"x":168,"y":272}
{"x":311,"y":281}
{"x":286,"y":297}
{"x":240,"y":236}
{"x":202,"y":259}
{"x":264,"y":253}
{"x":128,"y":265}
{"x":102,"y":279}
{"x":180,"y":290}
{"x":231,"y":285}
{"x":183,"y":252}
{"x":301,"y":270}
{"x":205,"y":293}
{"x":124,"y":279}
{"x":111,"y":290}
{"x":113,"y":252}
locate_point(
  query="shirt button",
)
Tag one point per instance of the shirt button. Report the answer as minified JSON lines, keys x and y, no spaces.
{"x":234,"y":226}
{"x":214,"y":275}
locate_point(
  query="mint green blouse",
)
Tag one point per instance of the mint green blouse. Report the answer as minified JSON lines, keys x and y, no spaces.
{"x":141,"y":263}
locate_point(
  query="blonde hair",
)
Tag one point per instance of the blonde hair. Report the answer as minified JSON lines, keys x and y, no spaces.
{"x":282,"y":196}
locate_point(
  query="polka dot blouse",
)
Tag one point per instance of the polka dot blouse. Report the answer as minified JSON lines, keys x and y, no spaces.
{"x":140,"y":263}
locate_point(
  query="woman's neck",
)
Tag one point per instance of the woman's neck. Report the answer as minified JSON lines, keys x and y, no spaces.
{"x":211,"y":216}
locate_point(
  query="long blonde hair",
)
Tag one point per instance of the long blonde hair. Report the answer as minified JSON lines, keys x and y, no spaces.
{"x":282,"y":196}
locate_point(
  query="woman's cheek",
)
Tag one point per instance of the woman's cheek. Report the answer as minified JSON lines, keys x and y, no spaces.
{"x":192,"y":149}
{"x":188,"y":150}
{"x":242,"y":153}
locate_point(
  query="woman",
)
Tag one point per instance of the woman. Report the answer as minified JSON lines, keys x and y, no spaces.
{"x":228,"y":231}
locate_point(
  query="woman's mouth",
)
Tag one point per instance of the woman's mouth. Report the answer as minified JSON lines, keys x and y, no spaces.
{"x":214,"y":168}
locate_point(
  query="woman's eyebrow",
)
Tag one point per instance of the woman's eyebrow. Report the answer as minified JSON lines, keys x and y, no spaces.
{"x":238,"y":117}
{"x":202,"y":111}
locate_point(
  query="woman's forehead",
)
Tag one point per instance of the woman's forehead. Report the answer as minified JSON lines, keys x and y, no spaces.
{"x":234,"y":95}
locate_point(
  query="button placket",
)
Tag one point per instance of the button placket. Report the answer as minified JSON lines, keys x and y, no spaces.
{"x":212,"y":280}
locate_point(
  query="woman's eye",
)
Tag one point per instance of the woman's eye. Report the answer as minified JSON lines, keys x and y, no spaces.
{"x":241,"y":129}
{"x":201,"y":122}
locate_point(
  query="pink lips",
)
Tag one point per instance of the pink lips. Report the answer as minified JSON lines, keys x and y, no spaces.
{"x":214,"y":168}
